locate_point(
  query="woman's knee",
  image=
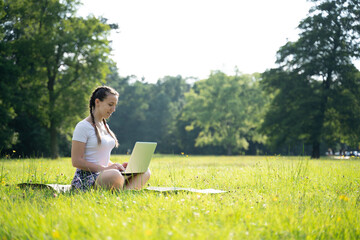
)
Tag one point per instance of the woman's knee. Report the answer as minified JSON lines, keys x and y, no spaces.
{"x":146,"y":175}
{"x":111,"y":178}
{"x":118,"y":179}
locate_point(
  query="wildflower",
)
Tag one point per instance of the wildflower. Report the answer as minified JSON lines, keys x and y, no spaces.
{"x":196,"y":214}
{"x":274,"y":199}
{"x":148,"y":232}
{"x":344,"y":198}
{"x":55,"y":234}
{"x":338,"y":219}
{"x":182,"y":153}
{"x":14,"y":151}
{"x":55,"y":195}
{"x":187,"y":155}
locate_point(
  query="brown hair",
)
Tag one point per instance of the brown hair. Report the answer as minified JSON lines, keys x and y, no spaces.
{"x":101,"y":93}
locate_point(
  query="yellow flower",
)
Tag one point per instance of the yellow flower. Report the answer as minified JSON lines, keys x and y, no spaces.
{"x":344,"y":198}
{"x":55,"y":234}
{"x":187,"y":155}
{"x":14,"y":151}
{"x":182,"y":153}
{"x":274,"y":199}
{"x":338,"y":219}
{"x":148,"y":232}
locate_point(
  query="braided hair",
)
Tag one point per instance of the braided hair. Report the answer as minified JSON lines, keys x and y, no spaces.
{"x":101,"y":93}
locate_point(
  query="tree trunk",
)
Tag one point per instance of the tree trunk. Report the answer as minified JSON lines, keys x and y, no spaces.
{"x":229,"y":151}
{"x":53,"y":121}
{"x":53,"y":141}
{"x":319,"y":120}
{"x":53,"y":128}
{"x":315,"y":150}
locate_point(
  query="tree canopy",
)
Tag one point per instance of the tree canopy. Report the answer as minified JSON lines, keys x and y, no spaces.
{"x":57,"y":58}
{"x":227,"y":109}
{"x":316,"y":77}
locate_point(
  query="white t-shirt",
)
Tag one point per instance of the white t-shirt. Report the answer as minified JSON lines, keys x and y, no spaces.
{"x":98,"y":154}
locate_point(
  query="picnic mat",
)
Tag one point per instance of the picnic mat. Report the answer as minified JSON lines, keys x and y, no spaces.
{"x":65,"y":188}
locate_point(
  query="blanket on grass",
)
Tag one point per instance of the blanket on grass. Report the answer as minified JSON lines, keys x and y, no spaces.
{"x":65,"y":188}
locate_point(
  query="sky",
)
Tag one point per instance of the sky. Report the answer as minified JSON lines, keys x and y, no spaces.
{"x":191,"y":38}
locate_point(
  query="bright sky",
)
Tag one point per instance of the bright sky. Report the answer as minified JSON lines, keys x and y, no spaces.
{"x":193,"y":37}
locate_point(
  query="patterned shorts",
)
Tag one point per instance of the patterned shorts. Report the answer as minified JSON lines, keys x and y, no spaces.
{"x":84,"y":180}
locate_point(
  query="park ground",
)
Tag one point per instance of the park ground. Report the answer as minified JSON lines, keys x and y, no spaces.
{"x":268,"y":197}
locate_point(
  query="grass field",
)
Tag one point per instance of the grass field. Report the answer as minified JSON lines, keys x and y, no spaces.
{"x":268,"y":198}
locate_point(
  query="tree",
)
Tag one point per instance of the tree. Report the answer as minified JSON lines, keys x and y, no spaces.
{"x":62,"y":57}
{"x":289,"y":116}
{"x":148,"y":112}
{"x":7,"y":85}
{"x":321,"y":62}
{"x":226,"y":109}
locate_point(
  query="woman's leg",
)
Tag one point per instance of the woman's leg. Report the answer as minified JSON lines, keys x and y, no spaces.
{"x":110,"y":179}
{"x":137,"y":182}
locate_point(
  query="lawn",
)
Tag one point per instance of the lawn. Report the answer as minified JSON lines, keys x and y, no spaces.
{"x":271,"y":197}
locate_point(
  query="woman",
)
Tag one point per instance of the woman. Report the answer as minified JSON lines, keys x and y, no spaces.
{"x":92,"y":143}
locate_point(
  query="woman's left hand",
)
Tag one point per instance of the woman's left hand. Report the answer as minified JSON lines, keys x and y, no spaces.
{"x":125,"y":164}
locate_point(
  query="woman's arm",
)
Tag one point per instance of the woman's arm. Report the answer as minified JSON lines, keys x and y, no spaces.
{"x":78,"y":160}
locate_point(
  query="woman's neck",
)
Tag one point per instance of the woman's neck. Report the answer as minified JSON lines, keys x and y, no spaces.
{"x":97,"y":117}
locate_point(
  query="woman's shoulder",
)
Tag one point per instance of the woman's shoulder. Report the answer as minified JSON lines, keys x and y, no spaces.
{"x":84,"y":124}
{"x":82,"y":131}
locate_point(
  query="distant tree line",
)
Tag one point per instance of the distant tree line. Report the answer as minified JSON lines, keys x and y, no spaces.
{"x":51,"y":60}
{"x":218,"y":115}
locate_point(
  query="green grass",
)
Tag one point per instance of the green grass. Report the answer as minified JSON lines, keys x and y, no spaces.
{"x":268,"y":198}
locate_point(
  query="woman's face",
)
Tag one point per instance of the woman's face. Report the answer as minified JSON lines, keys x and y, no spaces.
{"x":107,"y":106}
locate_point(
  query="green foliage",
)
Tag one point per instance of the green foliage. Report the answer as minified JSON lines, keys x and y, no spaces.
{"x":148,"y":112}
{"x":343,"y":115}
{"x":227,"y":110}
{"x":291,"y":112}
{"x":59,"y":58}
{"x":320,"y":64}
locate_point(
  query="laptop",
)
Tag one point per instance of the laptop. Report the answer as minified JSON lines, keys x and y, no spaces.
{"x":140,"y":158}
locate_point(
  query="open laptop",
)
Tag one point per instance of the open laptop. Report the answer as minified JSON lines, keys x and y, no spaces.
{"x":140,"y":158}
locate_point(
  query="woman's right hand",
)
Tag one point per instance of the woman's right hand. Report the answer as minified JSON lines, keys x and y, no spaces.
{"x":116,"y":166}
